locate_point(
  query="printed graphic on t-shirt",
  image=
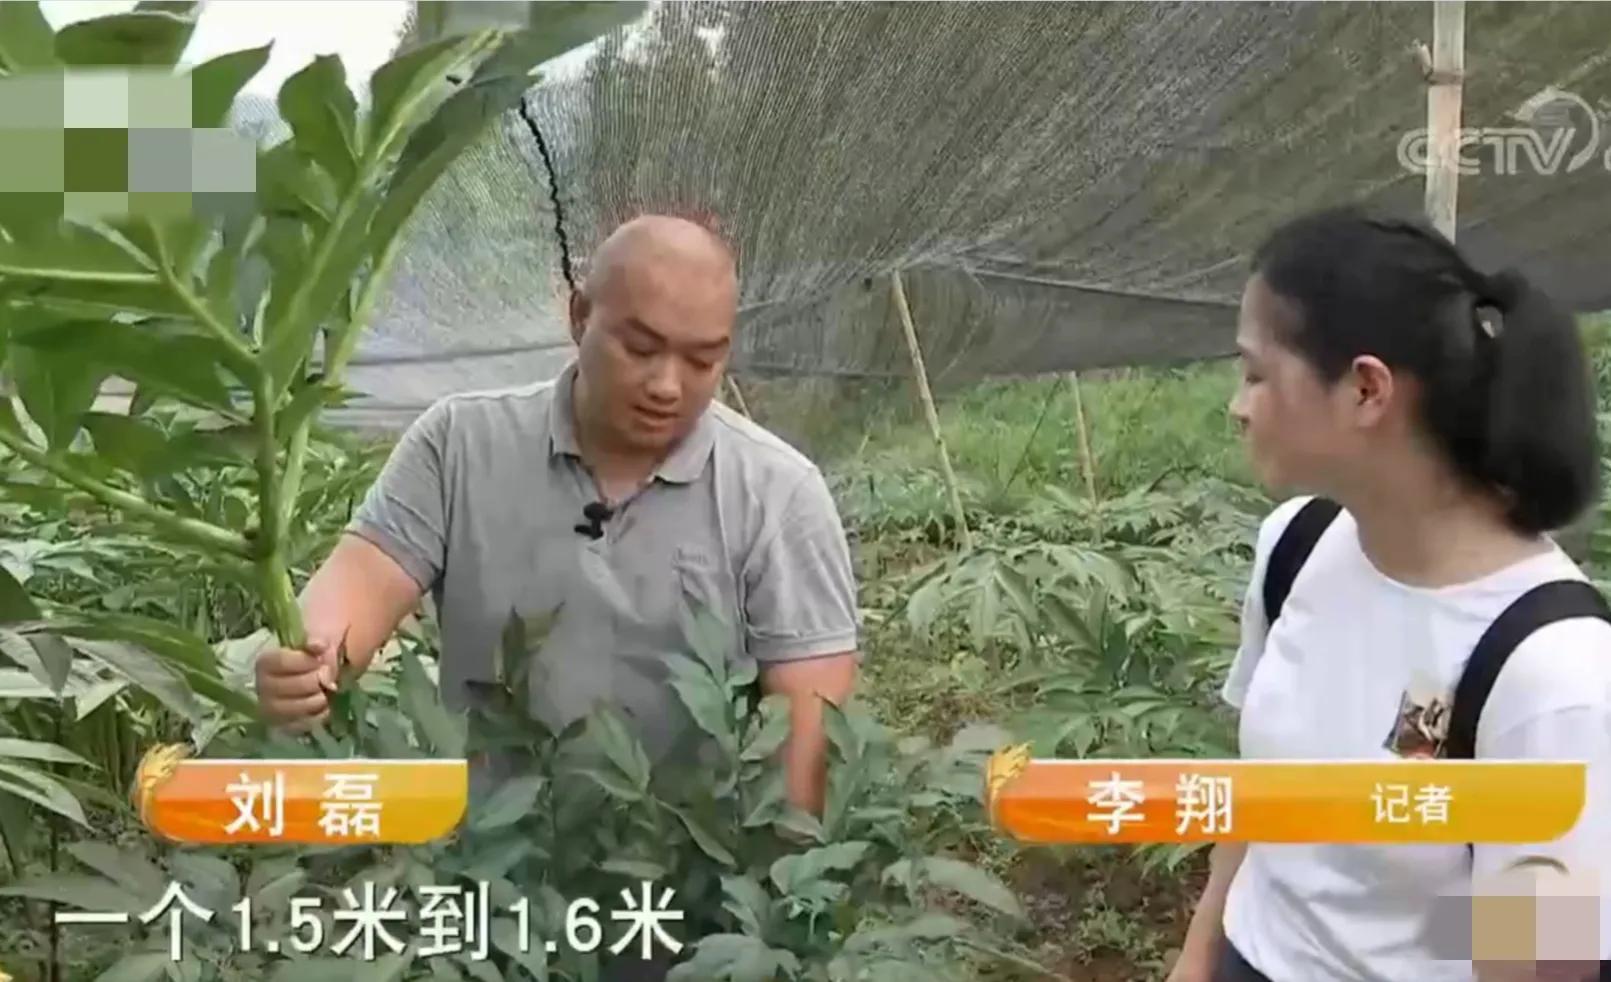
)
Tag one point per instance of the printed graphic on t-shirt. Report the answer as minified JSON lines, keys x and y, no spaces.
{"x":1419,"y":727}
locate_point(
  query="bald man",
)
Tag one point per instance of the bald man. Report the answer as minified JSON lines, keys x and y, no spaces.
{"x":610,"y":493}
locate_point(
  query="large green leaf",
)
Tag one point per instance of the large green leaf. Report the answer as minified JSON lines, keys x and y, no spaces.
{"x":791,"y":873}
{"x":496,"y":85}
{"x":924,"y":927}
{"x":138,"y":665}
{"x":124,"y":867}
{"x":41,"y":789}
{"x":102,"y":301}
{"x":964,"y":878}
{"x":130,"y":443}
{"x":26,"y":40}
{"x":509,"y":803}
{"x":143,"y":966}
{"x":610,"y":734}
{"x":140,"y":37}
{"x":322,"y":114}
{"x":15,"y":604}
{"x":439,"y":730}
{"x":735,"y":958}
{"x":17,"y":749}
{"x":748,"y":903}
{"x":399,"y":85}
{"x":704,"y":699}
{"x":56,"y":387}
{"x":77,"y":890}
{"x":292,"y":329}
{"x":705,"y":835}
{"x":73,"y":254}
{"x":214,"y":84}
{"x":158,"y":355}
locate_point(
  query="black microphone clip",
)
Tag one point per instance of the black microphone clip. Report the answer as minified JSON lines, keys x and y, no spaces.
{"x":594,"y":514}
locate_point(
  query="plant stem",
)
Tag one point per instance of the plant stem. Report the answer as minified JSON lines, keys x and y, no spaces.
{"x":244,"y":361}
{"x":189,"y":530}
{"x":274,"y":581}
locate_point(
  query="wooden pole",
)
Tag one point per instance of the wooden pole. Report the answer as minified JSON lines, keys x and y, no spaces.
{"x":738,"y":397}
{"x":1445,"y":86}
{"x":1087,"y":463}
{"x":929,"y":411}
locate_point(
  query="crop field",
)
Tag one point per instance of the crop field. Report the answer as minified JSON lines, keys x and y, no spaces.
{"x":1088,"y":627}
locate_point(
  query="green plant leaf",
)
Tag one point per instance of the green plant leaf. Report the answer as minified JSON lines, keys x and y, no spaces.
{"x":213,"y":882}
{"x":635,"y":869}
{"x":57,"y":388}
{"x":768,"y":738}
{"x":509,"y":803}
{"x":140,"y":37}
{"x":322,"y":114}
{"x":748,"y":903}
{"x":704,"y":835}
{"x":389,"y":968}
{"x":124,"y":867}
{"x":26,"y":40}
{"x":735,"y":958}
{"x":141,"y":667}
{"x":840,"y":733}
{"x":966,"y":879}
{"x":438,"y":730}
{"x":609,"y":733}
{"x":924,"y":927}
{"x":612,"y":782}
{"x":15,"y":604}
{"x":292,"y":328}
{"x":706,"y":703}
{"x":214,"y":84}
{"x":76,"y":890}
{"x":497,"y":84}
{"x":41,"y":789}
{"x":304,"y":403}
{"x":276,"y":894}
{"x":129,"y":443}
{"x":793,"y":872}
{"x":143,"y":966}
{"x":402,"y":82}
{"x":18,"y":749}
{"x":157,"y":355}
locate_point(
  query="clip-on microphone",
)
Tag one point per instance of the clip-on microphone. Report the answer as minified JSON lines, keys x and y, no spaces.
{"x":594,"y":514}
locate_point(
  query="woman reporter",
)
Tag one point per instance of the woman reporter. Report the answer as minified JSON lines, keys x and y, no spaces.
{"x":1437,"y":423}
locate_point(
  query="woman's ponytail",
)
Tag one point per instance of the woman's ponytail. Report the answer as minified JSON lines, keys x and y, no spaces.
{"x":1542,"y":449}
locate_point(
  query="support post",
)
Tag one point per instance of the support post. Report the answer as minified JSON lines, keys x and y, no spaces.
{"x":929,"y":412}
{"x":1445,"y":86}
{"x":738,"y":397}
{"x":1087,"y":463}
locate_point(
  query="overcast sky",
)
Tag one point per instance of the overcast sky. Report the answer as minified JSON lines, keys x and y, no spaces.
{"x":362,"y":32}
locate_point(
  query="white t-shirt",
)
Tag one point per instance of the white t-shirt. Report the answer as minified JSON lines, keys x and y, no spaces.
{"x":1327,"y":683}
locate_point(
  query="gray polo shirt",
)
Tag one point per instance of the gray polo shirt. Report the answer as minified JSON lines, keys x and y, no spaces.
{"x":479,"y":502}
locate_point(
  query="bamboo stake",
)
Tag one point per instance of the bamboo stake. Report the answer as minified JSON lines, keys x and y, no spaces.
{"x":1445,"y":87}
{"x":1087,"y":463}
{"x":929,"y":411}
{"x":738,"y":397}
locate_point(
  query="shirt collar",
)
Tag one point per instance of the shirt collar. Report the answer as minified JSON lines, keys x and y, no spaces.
{"x":561,"y":422}
{"x":683,"y":465}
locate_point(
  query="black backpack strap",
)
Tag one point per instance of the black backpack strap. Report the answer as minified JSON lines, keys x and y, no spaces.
{"x":1292,"y":549}
{"x":1544,"y":604}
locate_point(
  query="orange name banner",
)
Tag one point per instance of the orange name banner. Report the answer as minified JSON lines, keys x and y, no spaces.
{"x":1404,"y":801}
{"x":319,"y":802}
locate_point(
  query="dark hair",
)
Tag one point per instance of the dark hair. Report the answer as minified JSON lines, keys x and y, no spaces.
{"x":1507,"y":391}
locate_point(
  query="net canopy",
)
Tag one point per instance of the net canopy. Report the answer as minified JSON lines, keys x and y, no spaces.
{"x":1060,"y":185}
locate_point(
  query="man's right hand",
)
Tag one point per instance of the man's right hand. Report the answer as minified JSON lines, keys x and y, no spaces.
{"x":294,"y":686}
